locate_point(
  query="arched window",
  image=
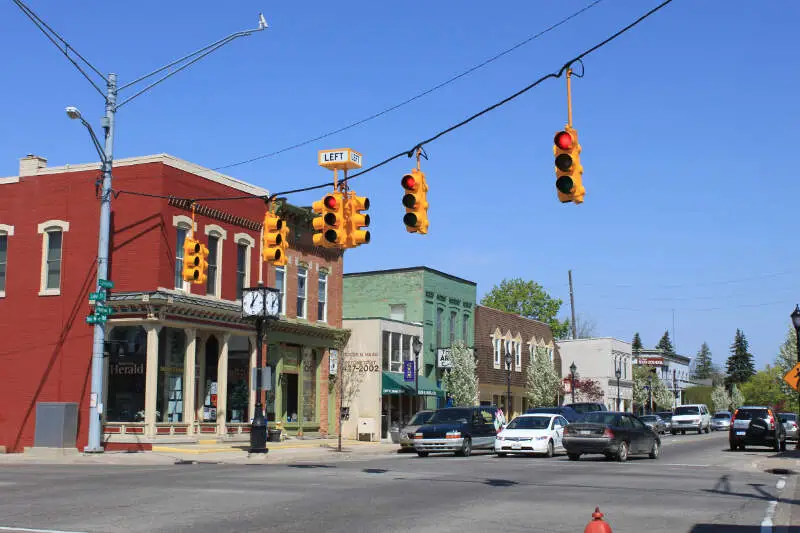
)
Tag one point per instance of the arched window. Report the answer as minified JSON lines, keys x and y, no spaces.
{"x":52,"y":232}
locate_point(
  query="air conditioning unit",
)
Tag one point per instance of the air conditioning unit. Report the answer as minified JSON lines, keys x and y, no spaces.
{"x":367,"y":429}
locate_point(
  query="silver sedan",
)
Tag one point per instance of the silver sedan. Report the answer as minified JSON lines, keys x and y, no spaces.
{"x":721,"y":421}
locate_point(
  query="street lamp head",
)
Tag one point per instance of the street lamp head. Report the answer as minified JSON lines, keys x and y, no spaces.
{"x":618,"y":373}
{"x":508,"y":360}
{"x":73,"y":112}
{"x":572,"y":368}
{"x":796,"y":317}
{"x":416,"y":345}
{"x":262,"y":22}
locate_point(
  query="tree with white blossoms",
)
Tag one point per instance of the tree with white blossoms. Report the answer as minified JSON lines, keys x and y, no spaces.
{"x":720,"y":399}
{"x":542,"y":381}
{"x":461,"y":381}
{"x":737,"y":398}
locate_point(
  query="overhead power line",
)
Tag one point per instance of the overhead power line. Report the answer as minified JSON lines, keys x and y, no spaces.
{"x":408,"y":153}
{"x":416,"y":96}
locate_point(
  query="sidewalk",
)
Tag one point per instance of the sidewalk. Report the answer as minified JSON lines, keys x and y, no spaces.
{"x":786,"y":467}
{"x":320,"y":450}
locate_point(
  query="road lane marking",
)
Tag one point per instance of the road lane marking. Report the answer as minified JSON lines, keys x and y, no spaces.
{"x":682,"y":464}
{"x":30,"y":530}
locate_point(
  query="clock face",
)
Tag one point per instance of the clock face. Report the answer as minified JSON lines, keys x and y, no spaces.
{"x":273,"y":303}
{"x":252,"y":303}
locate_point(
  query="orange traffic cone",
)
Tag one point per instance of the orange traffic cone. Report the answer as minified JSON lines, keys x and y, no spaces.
{"x":597,"y":525}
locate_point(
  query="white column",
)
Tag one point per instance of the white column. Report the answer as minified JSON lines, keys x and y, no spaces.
{"x":200,"y":393}
{"x":189,"y":393}
{"x":222,"y":385}
{"x":254,"y":356}
{"x":151,"y":379}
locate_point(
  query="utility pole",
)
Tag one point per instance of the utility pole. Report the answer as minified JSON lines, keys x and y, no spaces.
{"x":572,"y":307}
{"x":106,"y":153}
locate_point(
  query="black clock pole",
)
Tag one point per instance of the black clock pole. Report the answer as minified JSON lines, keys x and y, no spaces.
{"x":258,"y":431}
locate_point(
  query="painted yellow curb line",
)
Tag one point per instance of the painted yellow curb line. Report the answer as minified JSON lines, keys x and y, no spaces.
{"x":194,"y":451}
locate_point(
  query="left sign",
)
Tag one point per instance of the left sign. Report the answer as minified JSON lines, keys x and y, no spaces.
{"x":340,"y":159}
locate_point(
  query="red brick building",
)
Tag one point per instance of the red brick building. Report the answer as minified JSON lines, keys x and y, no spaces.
{"x":498,"y":333}
{"x":180,"y":357}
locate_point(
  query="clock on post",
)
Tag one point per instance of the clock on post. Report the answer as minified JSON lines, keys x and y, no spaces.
{"x":263,"y":304}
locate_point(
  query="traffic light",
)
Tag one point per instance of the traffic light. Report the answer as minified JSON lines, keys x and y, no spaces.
{"x":356,"y":220}
{"x":415,"y":202}
{"x":329,"y":227}
{"x":275,"y":242}
{"x":569,"y":172}
{"x":195,"y":261}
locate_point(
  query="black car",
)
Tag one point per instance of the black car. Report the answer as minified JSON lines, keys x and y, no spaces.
{"x":459,"y":430}
{"x":613,"y":434}
{"x":756,"y":426}
{"x":567,"y":412}
{"x":586,"y":407}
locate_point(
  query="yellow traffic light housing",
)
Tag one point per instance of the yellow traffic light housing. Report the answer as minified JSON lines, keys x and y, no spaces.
{"x":356,"y":220}
{"x":195,"y":261}
{"x":329,"y":226}
{"x":415,"y":201}
{"x":569,"y":172}
{"x":275,"y":241}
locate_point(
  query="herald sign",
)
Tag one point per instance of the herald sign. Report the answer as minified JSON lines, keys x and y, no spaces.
{"x":340,"y":159}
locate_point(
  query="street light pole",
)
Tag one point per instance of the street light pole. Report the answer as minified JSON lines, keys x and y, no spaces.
{"x":508,"y":380}
{"x":618,"y":374}
{"x":796,"y":323}
{"x":416,"y":346}
{"x":650,"y":391}
{"x":572,"y":369}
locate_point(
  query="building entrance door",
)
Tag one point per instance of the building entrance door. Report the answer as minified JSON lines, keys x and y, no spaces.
{"x":290,"y":411}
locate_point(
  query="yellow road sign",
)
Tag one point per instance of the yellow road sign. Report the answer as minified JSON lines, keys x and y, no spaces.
{"x":341,"y":159}
{"x":792,"y":377}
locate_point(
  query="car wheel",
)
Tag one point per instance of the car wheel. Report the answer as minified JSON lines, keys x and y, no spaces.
{"x":622,"y":452}
{"x":708,"y":429}
{"x":422,"y":454}
{"x":466,"y":448}
{"x":499,"y":454}
{"x":742,"y":447}
{"x":777,"y":446}
{"x":655,"y":451}
{"x":683,"y":432}
{"x":673,"y":432}
{"x":574,"y":456}
{"x":550,"y":449}
{"x":700,"y":430}
{"x":783,"y":445}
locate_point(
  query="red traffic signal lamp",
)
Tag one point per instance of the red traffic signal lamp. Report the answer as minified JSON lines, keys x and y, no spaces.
{"x":569,"y":172}
{"x":357,"y":220}
{"x":415,"y":201}
{"x":275,"y":241}
{"x":329,"y":226}
{"x":195,"y":261}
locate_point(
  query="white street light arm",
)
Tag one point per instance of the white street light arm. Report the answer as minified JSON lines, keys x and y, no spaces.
{"x":75,"y":114}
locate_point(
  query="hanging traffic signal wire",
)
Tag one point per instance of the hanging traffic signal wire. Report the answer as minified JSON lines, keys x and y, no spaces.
{"x":409,"y":153}
{"x":417,"y":96}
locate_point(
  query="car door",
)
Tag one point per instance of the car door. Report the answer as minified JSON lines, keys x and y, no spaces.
{"x":644,"y":435}
{"x":559,"y":423}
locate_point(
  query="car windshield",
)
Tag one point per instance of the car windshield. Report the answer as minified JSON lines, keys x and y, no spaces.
{"x":601,"y":417}
{"x":449,"y":416}
{"x":722,"y":416}
{"x":687,"y":410}
{"x":530,"y":422}
{"x":648,"y":418}
{"x":750,"y":414}
{"x":420,"y":418}
{"x":585,"y":407}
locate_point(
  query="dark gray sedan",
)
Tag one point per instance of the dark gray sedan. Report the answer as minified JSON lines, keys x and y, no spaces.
{"x":655,"y":422}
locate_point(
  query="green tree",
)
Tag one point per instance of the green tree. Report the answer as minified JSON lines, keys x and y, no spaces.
{"x":665,"y":344}
{"x":703,"y":364}
{"x":461,"y":381}
{"x":785,"y":361}
{"x":636,"y":345}
{"x":543,"y":383}
{"x":720,"y":399}
{"x":528,"y":299}
{"x":740,"y":366}
{"x":765,"y":388}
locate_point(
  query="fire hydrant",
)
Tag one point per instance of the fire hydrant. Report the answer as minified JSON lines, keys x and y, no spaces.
{"x":597,"y":525}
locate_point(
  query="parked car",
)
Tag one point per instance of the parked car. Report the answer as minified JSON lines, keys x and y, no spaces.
{"x":586,"y":407}
{"x":613,"y":434}
{"x":459,"y":430}
{"x":407,"y":432}
{"x":721,"y":421}
{"x":666,"y":416}
{"x":532,"y":433}
{"x":756,"y":426}
{"x":789,"y":421}
{"x":567,"y":412}
{"x":692,"y":417}
{"x":654,"y":422}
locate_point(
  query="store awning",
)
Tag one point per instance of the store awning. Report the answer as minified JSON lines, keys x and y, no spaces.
{"x":428,"y":387}
{"x":393,"y":384}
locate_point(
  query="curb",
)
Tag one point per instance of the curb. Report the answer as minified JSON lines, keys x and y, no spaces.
{"x":274,"y":446}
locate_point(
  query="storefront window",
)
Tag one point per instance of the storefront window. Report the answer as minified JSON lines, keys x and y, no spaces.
{"x":171,"y":352}
{"x":309,"y":385}
{"x":238,"y":380}
{"x":385,"y":351}
{"x":397,"y":364}
{"x":126,"y":374}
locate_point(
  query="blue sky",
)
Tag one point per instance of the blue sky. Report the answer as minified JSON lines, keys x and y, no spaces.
{"x":678,"y":120}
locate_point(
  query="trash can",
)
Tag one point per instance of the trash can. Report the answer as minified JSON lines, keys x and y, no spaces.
{"x":274,"y":435}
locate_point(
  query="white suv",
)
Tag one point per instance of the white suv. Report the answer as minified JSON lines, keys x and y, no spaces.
{"x":695,"y":417}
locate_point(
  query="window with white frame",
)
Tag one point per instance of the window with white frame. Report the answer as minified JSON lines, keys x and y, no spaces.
{"x":497,"y":343}
{"x":5,"y":232}
{"x":216,"y":237}
{"x":517,"y":355}
{"x":280,"y":284}
{"x":52,"y":250}
{"x":183,"y":228}
{"x":302,"y":291}
{"x":244,"y":245}
{"x":322,"y":296}
{"x":396,"y":354}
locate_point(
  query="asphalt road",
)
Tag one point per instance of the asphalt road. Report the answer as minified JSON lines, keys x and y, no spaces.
{"x":696,"y":486}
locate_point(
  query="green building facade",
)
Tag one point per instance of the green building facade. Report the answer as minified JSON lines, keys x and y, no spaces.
{"x":444,"y":304}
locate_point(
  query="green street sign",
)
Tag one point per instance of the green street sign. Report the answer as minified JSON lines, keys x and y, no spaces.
{"x":104,"y":311}
{"x":98,"y":296}
{"x":106,"y":283}
{"x":96,"y":319}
